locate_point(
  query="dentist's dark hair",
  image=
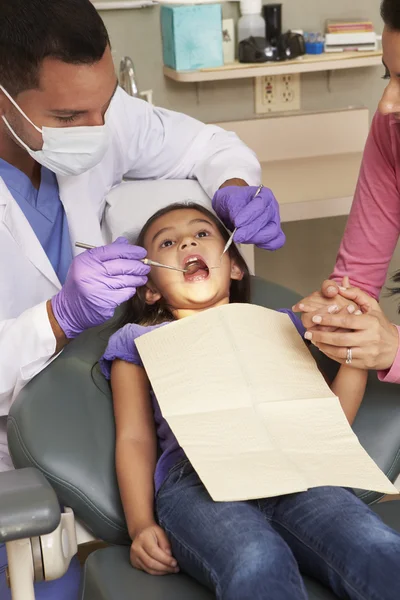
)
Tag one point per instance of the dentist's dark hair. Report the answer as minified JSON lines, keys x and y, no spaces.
{"x":390,"y":13}
{"x":138,"y":311}
{"x":32,"y":30}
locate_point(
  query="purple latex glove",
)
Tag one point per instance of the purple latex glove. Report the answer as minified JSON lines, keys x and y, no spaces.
{"x":97,"y":282}
{"x":256,"y":217}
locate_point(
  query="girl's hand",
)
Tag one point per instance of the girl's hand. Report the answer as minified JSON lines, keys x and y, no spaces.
{"x":318,"y":303}
{"x":151,"y":552}
{"x":320,"y":300}
{"x":361,"y":299}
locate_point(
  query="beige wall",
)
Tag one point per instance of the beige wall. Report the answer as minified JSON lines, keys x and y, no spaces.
{"x":137,"y":34}
{"x":309,"y":254}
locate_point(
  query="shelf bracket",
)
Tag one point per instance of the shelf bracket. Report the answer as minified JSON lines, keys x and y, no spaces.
{"x":329,"y":80}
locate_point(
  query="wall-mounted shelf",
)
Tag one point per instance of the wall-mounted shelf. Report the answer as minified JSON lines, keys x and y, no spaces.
{"x":122,"y":4}
{"x":304,"y":64}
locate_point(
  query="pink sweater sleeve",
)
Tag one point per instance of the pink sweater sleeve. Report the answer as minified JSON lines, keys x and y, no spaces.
{"x":373,"y":226}
{"x":392,"y":375}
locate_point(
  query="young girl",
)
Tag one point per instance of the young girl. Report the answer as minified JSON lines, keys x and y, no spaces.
{"x":240,"y":550}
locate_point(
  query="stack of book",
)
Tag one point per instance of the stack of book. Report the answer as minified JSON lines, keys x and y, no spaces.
{"x":349,"y":26}
{"x":352,"y":35}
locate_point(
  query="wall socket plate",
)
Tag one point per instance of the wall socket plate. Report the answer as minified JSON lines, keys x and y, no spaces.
{"x":277,"y":93}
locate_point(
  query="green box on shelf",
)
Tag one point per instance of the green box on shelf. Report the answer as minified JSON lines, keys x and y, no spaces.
{"x":192,"y":36}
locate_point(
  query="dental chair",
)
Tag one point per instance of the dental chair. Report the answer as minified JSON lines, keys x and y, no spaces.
{"x":61,"y":438}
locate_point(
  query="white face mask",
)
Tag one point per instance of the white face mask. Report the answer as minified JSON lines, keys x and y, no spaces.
{"x":66,"y":150}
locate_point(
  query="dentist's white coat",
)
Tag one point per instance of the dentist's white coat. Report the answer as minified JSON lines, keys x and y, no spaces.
{"x":147,"y":143}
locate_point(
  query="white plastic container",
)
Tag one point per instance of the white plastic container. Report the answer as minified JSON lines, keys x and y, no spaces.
{"x":251,"y":23}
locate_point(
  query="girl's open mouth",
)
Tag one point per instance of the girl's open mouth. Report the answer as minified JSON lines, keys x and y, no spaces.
{"x":197,"y":269}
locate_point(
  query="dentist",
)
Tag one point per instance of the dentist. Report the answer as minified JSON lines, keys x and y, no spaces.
{"x":68,"y":135}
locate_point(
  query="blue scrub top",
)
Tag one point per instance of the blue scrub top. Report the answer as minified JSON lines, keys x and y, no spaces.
{"x":45,"y":213}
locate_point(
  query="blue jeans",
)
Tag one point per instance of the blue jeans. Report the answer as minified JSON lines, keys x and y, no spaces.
{"x":66,"y":588}
{"x":255,"y":550}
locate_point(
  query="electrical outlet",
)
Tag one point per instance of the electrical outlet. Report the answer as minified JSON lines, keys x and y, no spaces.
{"x":277,"y":93}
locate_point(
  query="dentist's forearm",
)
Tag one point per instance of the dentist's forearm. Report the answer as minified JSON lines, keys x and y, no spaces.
{"x":27,"y":345}
{"x":236,"y":182}
{"x":61,"y":339}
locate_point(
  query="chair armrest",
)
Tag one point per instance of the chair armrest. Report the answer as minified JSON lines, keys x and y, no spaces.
{"x":28,"y":505}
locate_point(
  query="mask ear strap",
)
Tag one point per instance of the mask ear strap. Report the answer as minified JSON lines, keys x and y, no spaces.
{"x":15,"y":135}
{"x":19,"y":109}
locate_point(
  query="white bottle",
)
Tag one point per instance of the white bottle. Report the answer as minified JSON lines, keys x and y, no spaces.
{"x":251,"y":23}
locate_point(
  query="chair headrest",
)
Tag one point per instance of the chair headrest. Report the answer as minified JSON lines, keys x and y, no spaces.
{"x":132,"y":203}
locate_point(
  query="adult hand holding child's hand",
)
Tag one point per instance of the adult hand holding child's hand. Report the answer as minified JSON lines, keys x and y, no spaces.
{"x":151,"y":552}
{"x":360,"y":325}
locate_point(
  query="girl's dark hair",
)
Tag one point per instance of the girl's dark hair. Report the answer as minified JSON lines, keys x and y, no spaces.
{"x":390,"y":13}
{"x":138,"y":311}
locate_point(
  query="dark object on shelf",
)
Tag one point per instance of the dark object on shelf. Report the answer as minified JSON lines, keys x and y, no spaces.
{"x":258,"y":50}
{"x":272,"y":14}
{"x":255,"y":50}
{"x":291,"y":45}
